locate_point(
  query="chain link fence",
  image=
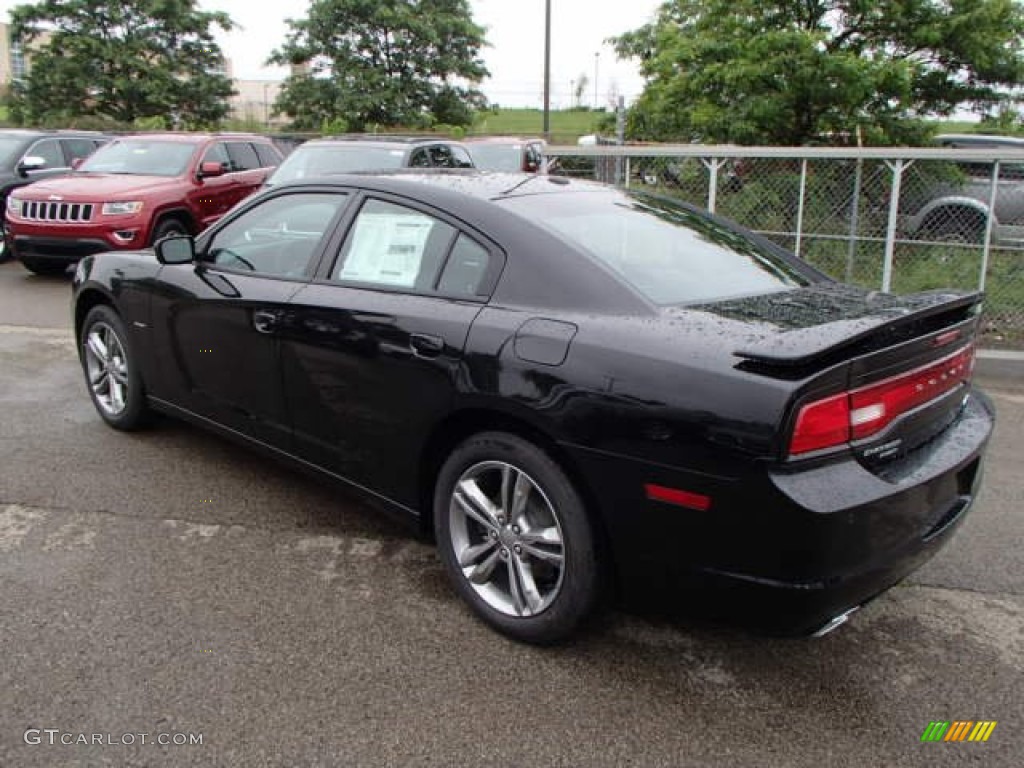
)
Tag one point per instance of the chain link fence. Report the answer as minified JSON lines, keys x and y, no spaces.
{"x":903,"y":220}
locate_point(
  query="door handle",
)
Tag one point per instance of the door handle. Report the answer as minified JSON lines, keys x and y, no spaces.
{"x":264,"y":321}
{"x":425,"y":345}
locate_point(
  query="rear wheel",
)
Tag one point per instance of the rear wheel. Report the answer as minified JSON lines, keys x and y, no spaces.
{"x":45,"y":266}
{"x":515,"y":538}
{"x":111,"y":372}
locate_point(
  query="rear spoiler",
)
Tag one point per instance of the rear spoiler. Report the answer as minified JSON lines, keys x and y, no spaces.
{"x":891,"y":324}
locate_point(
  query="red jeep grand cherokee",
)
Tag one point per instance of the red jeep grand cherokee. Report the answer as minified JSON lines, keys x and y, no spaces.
{"x":132,"y":192}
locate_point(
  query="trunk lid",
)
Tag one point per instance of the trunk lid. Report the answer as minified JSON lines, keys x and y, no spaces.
{"x":897,"y":367}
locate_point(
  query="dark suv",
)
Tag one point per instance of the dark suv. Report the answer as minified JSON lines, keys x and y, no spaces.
{"x":372,"y":152}
{"x":27,"y":156}
{"x":133,"y":192}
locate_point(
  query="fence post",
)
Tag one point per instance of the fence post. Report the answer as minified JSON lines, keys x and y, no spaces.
{"x":897,"y":169}
{"x":851,"y":252}
{"x":620,"y":135}
{"x":987,"y":246}
{"x":712,"y":164}
{"x":628,"y":164}
{"x":800,"y":207}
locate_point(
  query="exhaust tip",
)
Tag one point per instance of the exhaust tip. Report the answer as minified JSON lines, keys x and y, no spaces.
{"x":835,"y":622}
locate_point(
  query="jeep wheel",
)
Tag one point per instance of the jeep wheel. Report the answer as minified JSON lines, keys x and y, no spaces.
{"x":168,"y":228}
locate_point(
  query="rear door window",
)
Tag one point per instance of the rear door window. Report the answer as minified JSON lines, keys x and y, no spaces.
{"x":465,"y":269}
{"x":268,"y":155}
{"x":392,"y":246}
{"x":243,"y":156}
{"x":79,"y":149}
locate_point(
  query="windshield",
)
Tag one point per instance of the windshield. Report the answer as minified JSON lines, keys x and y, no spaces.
{"x":327,"y":159}
{"x":10,"y":147}
{"x":497,"y":157}
{"x":141,"y":158}
{"x":669,"y":253}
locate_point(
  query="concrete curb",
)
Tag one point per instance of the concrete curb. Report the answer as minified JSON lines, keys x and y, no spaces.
{"x":1001,"y":364}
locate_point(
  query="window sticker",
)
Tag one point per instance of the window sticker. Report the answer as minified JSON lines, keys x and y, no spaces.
{"x":387,"y":248}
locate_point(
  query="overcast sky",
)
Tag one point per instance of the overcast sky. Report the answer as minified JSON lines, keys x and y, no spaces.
{"x":515,"y":31}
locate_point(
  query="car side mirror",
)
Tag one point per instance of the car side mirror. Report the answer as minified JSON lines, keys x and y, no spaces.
{"x":211,"y":169}
{"x":76,"y":163}
{"x":31,"y":163}
{"x":180,"y":249}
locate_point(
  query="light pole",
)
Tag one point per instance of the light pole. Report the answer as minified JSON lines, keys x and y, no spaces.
{"x":547,"y":70}
{"x":597,"y":59}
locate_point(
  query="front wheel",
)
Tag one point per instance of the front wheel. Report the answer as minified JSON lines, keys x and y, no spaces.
{"x":111,"y":373}
{"x":515,"y":538}
{"x":168,"y":228}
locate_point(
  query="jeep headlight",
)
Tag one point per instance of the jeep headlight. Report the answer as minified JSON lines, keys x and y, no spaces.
{"x":119,"y":209}
{"x":14,"y":205}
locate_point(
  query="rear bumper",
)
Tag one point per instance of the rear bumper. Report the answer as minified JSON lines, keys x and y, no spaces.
{"x":785,"y":552}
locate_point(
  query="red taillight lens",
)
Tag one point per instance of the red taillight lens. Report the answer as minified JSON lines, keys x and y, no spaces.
{"x":867,"y":410}
{"x":874,"y":407}
{"x":821,"y":425}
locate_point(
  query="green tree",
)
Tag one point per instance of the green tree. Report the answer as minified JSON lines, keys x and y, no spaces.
{"x":382,"y":62}
{"x":799,"y":71}
{"x":121,"y":61}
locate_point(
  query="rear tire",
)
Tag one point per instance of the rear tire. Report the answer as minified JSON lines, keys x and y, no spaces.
{"x":45,"y":266}
{"x":515,"y":538}
{"x":111,"y":373}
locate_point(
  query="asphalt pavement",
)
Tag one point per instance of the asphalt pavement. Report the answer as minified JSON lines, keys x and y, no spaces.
{"x":169,"y":586}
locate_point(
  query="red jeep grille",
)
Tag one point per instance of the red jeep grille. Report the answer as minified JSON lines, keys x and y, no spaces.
{"x":34,"y":210}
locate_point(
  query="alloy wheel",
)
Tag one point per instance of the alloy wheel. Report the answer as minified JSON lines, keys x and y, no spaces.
{"x":507,"y":538}
{"x":107,"y":368}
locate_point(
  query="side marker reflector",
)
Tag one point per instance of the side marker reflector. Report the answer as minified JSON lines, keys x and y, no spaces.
{"x":696,"y":501}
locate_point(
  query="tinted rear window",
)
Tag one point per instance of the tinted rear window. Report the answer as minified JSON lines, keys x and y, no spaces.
{"x":669,"y":253}
{"x":497,"y":157}
{"x":307,"y":161}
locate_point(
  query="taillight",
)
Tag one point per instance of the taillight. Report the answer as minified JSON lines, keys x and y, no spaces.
{"x":867,"y":410}
{"x":822,"y":424}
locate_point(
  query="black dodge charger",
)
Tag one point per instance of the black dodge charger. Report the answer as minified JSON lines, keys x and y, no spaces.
{"x":583,"y":392}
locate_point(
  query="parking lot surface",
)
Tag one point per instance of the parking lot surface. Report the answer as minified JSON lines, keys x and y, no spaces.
{"x":172,"y":584}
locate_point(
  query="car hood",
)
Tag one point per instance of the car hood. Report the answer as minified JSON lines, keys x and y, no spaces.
{"x":796,"y":327}
{"x":96,"y":187}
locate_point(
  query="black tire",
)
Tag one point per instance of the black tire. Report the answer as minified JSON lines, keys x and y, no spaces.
{"x":45,"y":266}
{"x":956,"y":226}
{"x":5,"y":252}
{"x":550,"y":495}
{"x":169,"y":227}
{"x":120,"y":366}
